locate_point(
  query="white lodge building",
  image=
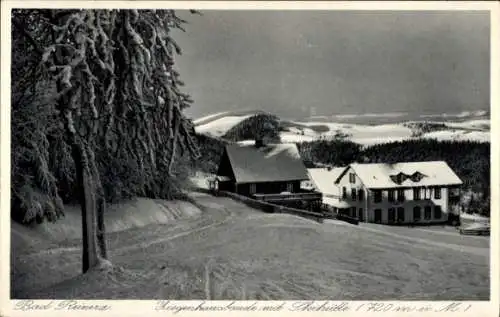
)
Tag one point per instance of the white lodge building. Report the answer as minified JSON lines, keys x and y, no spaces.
{"x":416,"y":192}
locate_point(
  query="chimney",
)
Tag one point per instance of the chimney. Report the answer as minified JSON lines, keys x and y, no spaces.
{"x":259,"y":143}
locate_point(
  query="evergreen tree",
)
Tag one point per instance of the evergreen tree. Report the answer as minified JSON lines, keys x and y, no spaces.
{"x":118,"y":97}
{"x":262,"y":126}
{"x":34,"y":192}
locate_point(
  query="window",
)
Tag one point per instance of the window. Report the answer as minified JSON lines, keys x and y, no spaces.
{"x":360,"y":214}
{"x":427,"y":192}
{"x":416,"y":213}
{"x":427,"y":213}
{"x":391,"y":217}
{"x":344,"y":193}
{"x":353,"y":212}
{"x":390,"y":195}
{"x":361,"y":194}
{"x":377,"y":196}
{"x":401,"y":195}
{"x":437,"y":193}
{"x":353,"y":193}
{"x":401,"y":214}
{"x":416,"y":194}
{"x":253,"y":188}
{"x":437,"y":212}
{"x":352,"y":178}
{"x":289,"y":187}
{"x":378,"y":216}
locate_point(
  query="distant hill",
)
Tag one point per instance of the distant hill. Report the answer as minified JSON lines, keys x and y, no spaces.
{"x":246,"y":129}
{"x":215,"y":116}
{"x":452,"y":129}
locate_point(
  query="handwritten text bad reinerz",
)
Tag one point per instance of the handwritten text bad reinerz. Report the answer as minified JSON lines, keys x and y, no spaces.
{"x":73,"y":305}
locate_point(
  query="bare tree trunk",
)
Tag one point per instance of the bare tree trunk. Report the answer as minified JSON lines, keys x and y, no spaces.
{"x":88,"y":204}
{"x":101,"y":232}
{"x":101,"y":207}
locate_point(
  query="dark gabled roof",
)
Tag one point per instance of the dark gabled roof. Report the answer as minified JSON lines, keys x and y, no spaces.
{"x":270,"y":163}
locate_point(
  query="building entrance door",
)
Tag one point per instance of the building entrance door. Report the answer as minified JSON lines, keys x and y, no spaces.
{"x":401,"y":214}
{"x":391,"y":217}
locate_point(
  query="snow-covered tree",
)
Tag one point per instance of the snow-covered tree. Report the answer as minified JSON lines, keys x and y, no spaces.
{"x":34,"y":193}
{"x":261,"y":126}
{"x":119,"y":102}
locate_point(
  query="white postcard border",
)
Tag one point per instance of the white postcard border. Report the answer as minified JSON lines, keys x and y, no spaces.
{"x":132,"y":307}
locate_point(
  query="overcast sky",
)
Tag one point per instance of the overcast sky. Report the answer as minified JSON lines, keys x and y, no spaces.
{"x":337,"y":62}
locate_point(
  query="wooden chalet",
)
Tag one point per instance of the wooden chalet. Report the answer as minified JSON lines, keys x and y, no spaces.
{"x":267,"y":172}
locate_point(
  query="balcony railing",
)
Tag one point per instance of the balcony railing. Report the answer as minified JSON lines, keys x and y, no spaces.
{"x":303,"y":195}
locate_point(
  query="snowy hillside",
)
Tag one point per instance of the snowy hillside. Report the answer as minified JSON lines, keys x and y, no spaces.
{"x":218,"y":124}
{"x":472,"y":130}
{"x":233,"y":252}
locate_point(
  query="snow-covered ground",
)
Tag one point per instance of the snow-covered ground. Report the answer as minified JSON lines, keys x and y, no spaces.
{"x":385,"y":133}
{"x":119,"y":217}
{"x":474,"y":218}
{"x":200,"y":179}
{"x":208,"y":118}
{"x":290,"y":137}
{"x":233,"y":252}
{"x":482,"y":124}
{"x":459,"y":135}
{"x":463,"y":114}
{"x":220,"y":126}
{"x":472,"y":130}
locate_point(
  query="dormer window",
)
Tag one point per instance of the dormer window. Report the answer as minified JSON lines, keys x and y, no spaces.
{"x":399,"y":178}
{"x":417,"y":177}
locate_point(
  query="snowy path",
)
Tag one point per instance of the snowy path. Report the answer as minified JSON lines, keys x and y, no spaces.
{"x":232,"y":251}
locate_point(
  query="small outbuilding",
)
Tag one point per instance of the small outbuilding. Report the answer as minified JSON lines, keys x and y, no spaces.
{"x":268,"y":172}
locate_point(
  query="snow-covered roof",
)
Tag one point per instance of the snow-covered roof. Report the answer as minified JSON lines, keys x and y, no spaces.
{"x":273,"y":162}
{"x":378,"y":175}
{"x":335,"y":202}
{"x":324,"y":179}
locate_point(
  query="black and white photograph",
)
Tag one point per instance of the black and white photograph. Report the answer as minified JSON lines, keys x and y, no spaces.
{"x":251,"y":154}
